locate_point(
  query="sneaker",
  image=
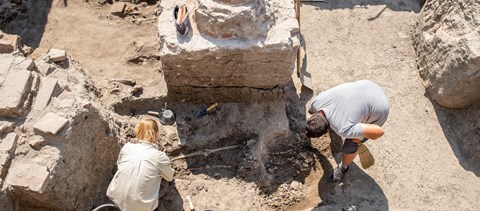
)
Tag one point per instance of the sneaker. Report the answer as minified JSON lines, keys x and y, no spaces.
{"x":338,"y":174}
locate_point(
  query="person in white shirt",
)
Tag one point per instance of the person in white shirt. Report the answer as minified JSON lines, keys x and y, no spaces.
{"x":141,"y":167}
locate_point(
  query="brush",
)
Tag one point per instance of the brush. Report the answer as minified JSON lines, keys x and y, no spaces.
{"x":366,"y":158}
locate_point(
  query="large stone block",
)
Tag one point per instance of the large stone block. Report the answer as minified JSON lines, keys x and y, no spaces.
{"x":262,"y":58}
{"x":50,"y":123}
{"x":8,"y":143}
{"x":14,"y":91}
{"x":27,"y":177}
{"x":47,"y":87}
{"x":6,"y":61}
{"x":447,"y":44}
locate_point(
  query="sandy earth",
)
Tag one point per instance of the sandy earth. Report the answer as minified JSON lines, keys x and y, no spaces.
{"x":418,"y":166}
{"x":418,"y":162}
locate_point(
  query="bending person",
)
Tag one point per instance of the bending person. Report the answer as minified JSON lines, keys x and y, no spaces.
{"x":355,"y":111}
{"x":141,"y":167}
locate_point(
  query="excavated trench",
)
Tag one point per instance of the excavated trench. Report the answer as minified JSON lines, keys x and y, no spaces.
{"x":251,"y":141}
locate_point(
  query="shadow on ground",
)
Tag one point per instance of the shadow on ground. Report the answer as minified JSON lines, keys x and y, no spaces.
{"x":357,"y":191}
{"x":27,"y":20}
{"x":462,"y":130}
{"x":394,"y":5}
{"x":170,"y":200}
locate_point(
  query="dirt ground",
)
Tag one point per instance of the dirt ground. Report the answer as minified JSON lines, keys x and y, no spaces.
{"x":418,"y":161}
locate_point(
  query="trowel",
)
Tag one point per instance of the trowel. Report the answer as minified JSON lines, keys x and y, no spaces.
{"x":204,"y":111}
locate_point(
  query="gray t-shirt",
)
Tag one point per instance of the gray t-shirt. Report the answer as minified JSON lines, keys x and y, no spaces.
{"x":346,"y":105}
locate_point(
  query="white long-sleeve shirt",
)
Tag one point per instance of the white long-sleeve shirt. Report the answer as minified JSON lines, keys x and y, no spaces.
{"x":136,"y":184}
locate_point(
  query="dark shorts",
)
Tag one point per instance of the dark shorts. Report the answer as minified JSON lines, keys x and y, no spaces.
{"x":350,"y":147}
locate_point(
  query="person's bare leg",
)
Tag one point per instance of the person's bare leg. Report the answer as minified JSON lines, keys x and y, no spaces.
{"x":347,"y":159}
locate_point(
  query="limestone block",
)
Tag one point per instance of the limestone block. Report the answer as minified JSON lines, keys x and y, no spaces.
{"x":14,"y":90}
{"x":47,"y":87}
{"x":9,"y":143}
{"x":27,"y":176}
{"x":50,"y":123}
{"x":9,"y":43}
{"x":56,"y":55}
{"x":447,"y":45}
{"x":263,"y":61}
{"x":6,"y":61}
{"x":38,"y":53}
{"x":6,"y":127}
{"x":22,"y":63}
{"x":36,"y":142}
{"x":43,"y":67}
{"x":118,"y":8}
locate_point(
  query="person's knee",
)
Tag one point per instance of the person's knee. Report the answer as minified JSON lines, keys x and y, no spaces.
{"x":349,"y":147}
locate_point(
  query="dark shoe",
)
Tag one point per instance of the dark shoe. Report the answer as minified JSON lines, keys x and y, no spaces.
{"x":338,"y":174}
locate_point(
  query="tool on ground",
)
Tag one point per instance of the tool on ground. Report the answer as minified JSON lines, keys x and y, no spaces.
{"x":190,"y":203}
{"x":305,"y":77}
{"x":128,"y":82}
{"x":204,"y":111}
{"x":180,"y":15}
{"x":166,"y":116}
{"x":206,"y":152}
{"x":366,"y":158}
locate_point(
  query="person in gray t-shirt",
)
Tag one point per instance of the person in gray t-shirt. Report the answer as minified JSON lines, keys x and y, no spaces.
{"x":355,"y":111}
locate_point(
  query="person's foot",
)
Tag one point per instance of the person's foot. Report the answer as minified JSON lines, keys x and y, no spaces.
{"x":338,"y":174}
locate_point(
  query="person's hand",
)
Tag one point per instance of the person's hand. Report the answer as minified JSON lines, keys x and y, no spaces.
{"x":358,"y":141}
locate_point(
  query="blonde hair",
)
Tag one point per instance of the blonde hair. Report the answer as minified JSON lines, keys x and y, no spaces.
{"x":147,"y":130}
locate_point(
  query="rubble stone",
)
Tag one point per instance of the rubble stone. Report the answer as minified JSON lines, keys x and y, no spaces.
{"x":50,"y":123}
{"x":47,"y":87}
{"x":38,"y":52}
{"x":56,"y":55}
{"x":8,"y":143}
{"x":118,"y":9}
{"x":36,"y":142}
{"x":9,"y":43}
{"x":447,"y":45}
{"x":43,"y":67}
{"x":21,"y":63}
{"x":6,"y":127}
{"x":14,"y":90}
{"x":27,"y":177}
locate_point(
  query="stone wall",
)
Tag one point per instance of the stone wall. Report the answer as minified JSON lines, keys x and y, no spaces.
{"x":447,"y":44}
{"x":58,"y":146}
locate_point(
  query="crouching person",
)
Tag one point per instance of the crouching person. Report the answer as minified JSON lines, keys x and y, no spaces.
{"x":141,"y":167}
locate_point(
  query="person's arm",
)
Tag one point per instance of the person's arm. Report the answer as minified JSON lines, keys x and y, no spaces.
{"x":167,"y":171}
{"x":165,"y":167}
{"x":360,"y":131}
{"x":372,"y":131}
